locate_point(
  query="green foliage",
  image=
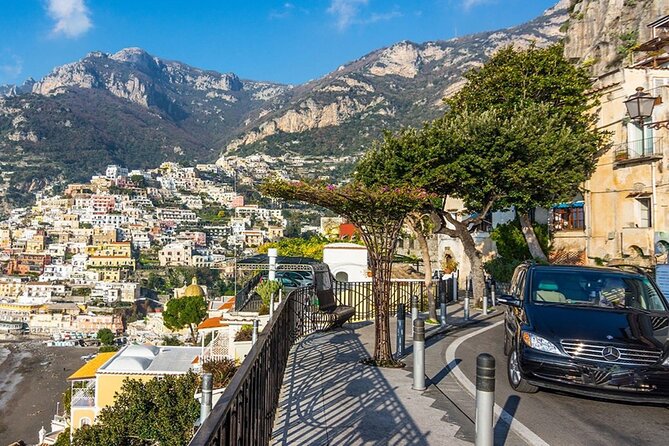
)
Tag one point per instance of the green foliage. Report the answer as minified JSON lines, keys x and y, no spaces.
{"x":66,"y":399}
{"x":501,"y":268}
{"x":81,"y":291}
{"x":105,"y":336}
{"x":311,"y":247}
{"x":221,"y":369}
{"x":108,"y":348}
{"x":172,"y":340}
{"x":519,"y":134}
{"x":160,"y":411}
{"x":245,"y":333}
{"x":628,"y":41}
{"x":63,"y":438}
{"x":511,"y":243}
{"x":266,"y":288}
{"x":183,"y":312}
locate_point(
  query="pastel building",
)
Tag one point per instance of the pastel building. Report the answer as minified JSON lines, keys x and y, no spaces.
{"x":95,"y":384}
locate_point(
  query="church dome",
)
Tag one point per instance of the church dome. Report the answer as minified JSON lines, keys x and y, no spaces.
{"x":194,"y":290}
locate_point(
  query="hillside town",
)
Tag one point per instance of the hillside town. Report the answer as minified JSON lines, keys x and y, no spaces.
{"x":491,"y":271}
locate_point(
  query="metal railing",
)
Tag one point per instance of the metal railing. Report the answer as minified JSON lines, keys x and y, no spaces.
{"x":648,"y":147}
{"x":244,"y":415}
{"x":359,"y":296}
{"x":245,"y":294}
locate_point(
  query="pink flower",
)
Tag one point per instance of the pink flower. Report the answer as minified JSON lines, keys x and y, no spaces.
{"x":330,"y":187}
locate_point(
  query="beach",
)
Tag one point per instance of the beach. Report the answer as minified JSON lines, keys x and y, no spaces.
{"x":32,"y":380}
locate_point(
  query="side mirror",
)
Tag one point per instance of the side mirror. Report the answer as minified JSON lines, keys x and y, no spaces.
{"x":509,"y":300}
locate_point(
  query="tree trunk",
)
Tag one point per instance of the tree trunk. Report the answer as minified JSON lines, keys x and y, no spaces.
{"x":381,"y":269}
{"x":475,"y":260}
{"x":531,"y":238}
{"x":192,"y":333}
{"x":427,"y":265}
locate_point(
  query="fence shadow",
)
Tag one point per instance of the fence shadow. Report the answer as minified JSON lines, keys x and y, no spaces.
{"x":329,"y":398}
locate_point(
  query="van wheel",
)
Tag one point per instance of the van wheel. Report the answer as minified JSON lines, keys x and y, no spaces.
{"x":515,"y":376}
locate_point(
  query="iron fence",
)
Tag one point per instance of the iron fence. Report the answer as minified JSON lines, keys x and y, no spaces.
{"x":244,"y":295}
{"x":244,"y":415}
{"x":359,"y":296}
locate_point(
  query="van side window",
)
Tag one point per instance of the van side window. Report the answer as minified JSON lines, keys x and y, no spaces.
{"x":517,"y":284}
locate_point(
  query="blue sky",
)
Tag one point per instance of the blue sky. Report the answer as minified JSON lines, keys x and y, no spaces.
{"x":285,"y":41}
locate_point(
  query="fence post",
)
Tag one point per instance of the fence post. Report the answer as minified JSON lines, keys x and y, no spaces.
{"x":418,"y":354}
{"x":401,"y":315}
{"x":414,"y":311}
{"x":254,"y":336}
{"x":485,"y":399}
{"x":280,"y":294}
{"x":205,"y":402}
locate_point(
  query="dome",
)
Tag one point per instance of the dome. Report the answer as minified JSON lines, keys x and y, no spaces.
{"x":193,"y":290}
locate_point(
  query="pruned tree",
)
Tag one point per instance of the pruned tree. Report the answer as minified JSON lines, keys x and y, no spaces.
{"x":379,"y":213}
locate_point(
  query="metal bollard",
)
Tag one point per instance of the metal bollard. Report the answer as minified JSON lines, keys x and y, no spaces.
{"x":254,"y":336}
{"x":418,"y":354}
{"x":280,"y":294}
{"x":466,"y":303}
{"x":485,"y":301}
{"x":455,"y":284}
{"x":271,"y":305}
{"x":414,"y":311}
{"x":485,"y":399}
{"x":442,"y":302}
{"x":492,"y":294}
{"x":205,"y":402}
{"x":401,"y":336}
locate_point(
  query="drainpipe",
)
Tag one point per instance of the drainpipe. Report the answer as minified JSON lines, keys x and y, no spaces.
{"x":272,"y":253}
{"x":654,"y":189}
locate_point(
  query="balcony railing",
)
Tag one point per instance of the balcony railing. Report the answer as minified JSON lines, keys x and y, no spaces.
{"x":244,"y":415}
{"x":83,"y":397}
{"x":639,"y":150}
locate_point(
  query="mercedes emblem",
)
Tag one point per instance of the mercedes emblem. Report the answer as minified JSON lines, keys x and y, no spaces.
{"x":611,"y":353}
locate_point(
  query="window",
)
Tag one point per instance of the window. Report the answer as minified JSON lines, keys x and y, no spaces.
{"x":645,"y":212}
{"x":568,"y":216}
{"x":639,"y":140}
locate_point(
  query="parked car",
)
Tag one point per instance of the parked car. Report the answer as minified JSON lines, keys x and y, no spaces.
{"x":600,"y":332}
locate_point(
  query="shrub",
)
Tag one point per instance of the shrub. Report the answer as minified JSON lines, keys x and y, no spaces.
{"x":221,"y":369}
{"x":268,"y":287}
{"x":245,"y":333}
{"x":501,"y":268}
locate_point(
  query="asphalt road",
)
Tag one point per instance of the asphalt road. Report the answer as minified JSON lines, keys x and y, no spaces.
{"x":562,"y":419}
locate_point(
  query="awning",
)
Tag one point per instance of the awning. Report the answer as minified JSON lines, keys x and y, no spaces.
{"x":88,"y":370}
{"x":573,"y":204}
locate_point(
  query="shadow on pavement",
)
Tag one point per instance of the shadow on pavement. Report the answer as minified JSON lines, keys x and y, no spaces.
{"x":502,"y":428}
{"x":329,"y":398}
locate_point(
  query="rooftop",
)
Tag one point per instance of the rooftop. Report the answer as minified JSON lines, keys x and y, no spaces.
{"x":151,"y":360}
{"x":88,"y":370}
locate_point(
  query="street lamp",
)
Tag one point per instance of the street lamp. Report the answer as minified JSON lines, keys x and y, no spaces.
{"x":640,"y":107}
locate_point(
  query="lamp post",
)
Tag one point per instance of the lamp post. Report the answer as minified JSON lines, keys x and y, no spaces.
{"x":640,"y":107}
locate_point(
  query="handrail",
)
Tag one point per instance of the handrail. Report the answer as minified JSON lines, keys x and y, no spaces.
{"x":244,"y":415}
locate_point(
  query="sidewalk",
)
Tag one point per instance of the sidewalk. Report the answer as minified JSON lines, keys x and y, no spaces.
{"x":329,"y":398}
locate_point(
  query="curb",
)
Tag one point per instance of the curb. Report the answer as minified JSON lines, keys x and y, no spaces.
{"x":449,"y":328}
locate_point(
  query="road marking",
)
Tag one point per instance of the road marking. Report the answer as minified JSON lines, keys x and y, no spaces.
{"x":516,"y":426}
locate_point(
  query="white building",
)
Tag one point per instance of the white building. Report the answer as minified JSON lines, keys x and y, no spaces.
{"x":347,"y":261}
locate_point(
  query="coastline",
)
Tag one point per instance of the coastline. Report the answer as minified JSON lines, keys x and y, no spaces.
{"x":32,"y":380}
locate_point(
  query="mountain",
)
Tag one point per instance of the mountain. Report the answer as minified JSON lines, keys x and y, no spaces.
{"x":138,"y":110}
{"x":404,"y":84}
{"x":601,"y":33}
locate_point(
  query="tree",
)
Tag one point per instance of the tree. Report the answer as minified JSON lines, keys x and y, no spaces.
{"x":311,"y":247}
{"x":493,"y":158}
{"x":187,"y":311}
{"x":378,"y":212}
{"x":160,"y":411}
{"x":105,"y":336}
{"x":422,"y":226}
{"x":513,"y":80}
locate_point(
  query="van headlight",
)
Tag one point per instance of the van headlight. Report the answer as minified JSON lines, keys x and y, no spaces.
{"x":539,"y":343}
{"x":666,"y":362}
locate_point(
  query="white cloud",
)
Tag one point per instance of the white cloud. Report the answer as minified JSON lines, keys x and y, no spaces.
{"x":469,"y":4}
{"x":72,"y":17}
{"x":345,"y":11}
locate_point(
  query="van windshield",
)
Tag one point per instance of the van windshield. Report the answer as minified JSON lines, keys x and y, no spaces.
{"x":596,"y":289}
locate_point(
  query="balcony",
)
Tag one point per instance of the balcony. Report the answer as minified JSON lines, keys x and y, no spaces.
{"x":639,"y":151}
{"x":83,"y":397}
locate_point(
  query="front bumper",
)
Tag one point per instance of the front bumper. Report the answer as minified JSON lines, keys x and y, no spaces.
{"x":642,"y":384}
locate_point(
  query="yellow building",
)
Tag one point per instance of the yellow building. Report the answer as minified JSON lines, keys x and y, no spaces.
{"x":116,"y":249}
{"x":624,"y":213}
{"x":95,"y":384}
